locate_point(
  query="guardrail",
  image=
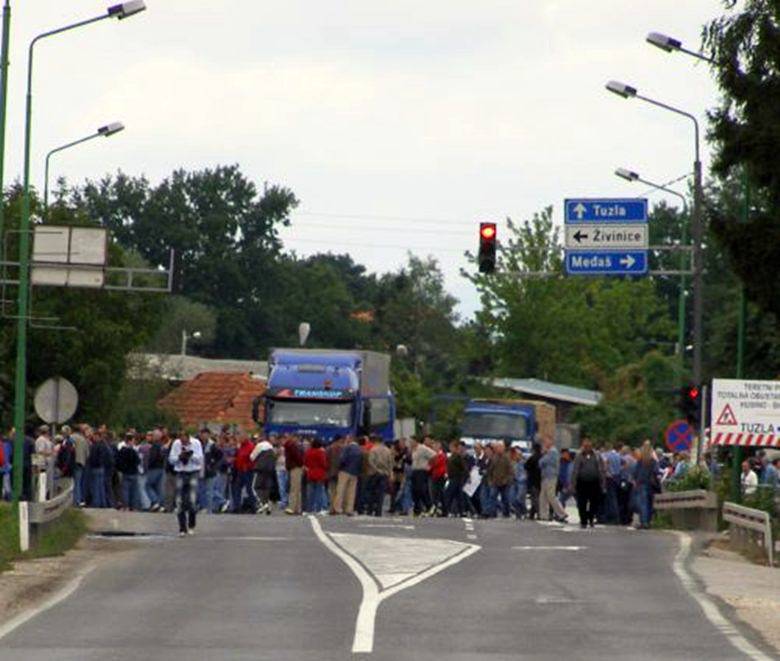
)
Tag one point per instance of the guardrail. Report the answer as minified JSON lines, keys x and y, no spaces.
{"x":690,"y":510}
{"x":34,"y":515}
{"x":747,"y":525}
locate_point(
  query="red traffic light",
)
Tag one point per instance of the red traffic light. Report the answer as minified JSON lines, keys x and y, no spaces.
{"x":693,"y":392}
{"x":487,"y":231}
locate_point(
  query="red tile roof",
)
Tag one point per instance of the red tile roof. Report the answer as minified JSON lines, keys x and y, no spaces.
{"x":215,"y":397}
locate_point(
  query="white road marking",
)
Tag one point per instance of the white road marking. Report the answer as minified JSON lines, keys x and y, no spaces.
{"x":549,"y":548}
{"x":242,"y":538}
{"x":387,"y":565}
{"x":710,"y":609}
{"x":385,"y":525}
{"x":471,"y":536}
{"x":62,"y":594}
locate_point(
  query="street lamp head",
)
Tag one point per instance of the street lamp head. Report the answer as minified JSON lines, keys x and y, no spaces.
{"x":628,"y":175}
{"x":664,"y":42}
{"x":126,"y":9}
{"x":111,"y":129}
{"x":197,"y":335}
{"x":621,"y":89}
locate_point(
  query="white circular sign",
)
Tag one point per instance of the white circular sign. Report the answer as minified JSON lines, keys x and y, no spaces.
{"x":56,"y":400}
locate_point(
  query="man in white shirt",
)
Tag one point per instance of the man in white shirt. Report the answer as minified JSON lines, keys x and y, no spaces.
{"x":44,"y":447}
{"x":186,"y":458}
{"x":749,"y":479}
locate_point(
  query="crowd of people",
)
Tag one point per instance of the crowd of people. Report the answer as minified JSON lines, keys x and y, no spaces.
{"x":233,"y":472}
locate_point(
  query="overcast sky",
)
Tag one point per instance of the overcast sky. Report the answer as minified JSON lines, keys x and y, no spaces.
{"x":399,"y":124}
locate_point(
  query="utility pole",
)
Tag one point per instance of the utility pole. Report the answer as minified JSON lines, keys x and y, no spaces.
{"x":6,"y":36}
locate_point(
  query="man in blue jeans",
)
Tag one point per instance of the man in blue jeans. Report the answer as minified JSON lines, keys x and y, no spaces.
{"x":613,"y":464}
{"x":155,"y":469}
{"x":186,"y":458}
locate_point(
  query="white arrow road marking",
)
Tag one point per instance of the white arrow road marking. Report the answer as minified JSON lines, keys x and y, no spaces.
{"x":548,"y":548}
{"x":387,"y":565}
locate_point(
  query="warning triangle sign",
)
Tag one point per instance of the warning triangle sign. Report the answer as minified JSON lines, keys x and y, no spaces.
{"x":726,"y":416}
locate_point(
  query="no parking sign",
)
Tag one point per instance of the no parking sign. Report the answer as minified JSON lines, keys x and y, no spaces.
{"x":679,"y":436}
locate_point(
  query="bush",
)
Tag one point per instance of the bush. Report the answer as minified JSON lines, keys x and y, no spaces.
{"x":697,"y":477}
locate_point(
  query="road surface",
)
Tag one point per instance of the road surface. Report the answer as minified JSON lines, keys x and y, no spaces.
{"x":291,"y":588}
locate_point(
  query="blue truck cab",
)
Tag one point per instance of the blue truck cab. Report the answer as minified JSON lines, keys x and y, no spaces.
{"x":323,"y":393}
{"x":511,"y":421}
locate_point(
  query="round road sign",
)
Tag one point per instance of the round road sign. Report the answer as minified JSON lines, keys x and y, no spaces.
{"x":56,"y":400}
{"x":679,"y":436}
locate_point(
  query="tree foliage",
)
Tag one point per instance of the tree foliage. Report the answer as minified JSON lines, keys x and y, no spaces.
{"x":745,"y":130}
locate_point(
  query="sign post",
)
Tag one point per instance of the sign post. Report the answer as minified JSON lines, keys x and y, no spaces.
{"x":606,"y":236}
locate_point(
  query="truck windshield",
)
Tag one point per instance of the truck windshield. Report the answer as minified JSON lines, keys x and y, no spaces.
{"x":306,"y":414}
{"x":495,"y":425}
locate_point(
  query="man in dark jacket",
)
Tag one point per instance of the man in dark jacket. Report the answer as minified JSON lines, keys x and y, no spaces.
{"x":350,"y":467}
{"x":588,"y":479}
{"x":534,"y":473}
{"x":127,"y":462}
{"x":500,"y":477}
{"x":457,"y":472}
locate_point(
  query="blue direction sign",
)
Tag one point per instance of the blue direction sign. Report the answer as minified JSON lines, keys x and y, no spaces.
{"x":679,"y":436}
{"x":606,"y":262}
{"x":606,"y":210}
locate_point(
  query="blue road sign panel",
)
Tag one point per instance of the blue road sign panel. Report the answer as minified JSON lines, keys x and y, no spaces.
{"x":606,"y":262}
{"x":605,"y":210}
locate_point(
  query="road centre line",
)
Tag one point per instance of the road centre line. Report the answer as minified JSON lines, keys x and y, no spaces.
{"x":549,"y":548}
{"x":363,"y":641}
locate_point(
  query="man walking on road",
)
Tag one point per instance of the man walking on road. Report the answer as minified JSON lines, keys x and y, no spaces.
{"x":587,"y":480}
{"x":186,"y":458}
{"x":549,"y":465}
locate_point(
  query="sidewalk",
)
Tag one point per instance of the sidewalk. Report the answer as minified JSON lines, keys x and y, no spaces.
{"x":752,"y":590}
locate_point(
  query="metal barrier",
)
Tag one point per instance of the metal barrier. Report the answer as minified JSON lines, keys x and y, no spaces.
{"x":48,"y":510}
{"x":35,"y":515}
{"x":747,"y":525}
{"x":690,"y":510}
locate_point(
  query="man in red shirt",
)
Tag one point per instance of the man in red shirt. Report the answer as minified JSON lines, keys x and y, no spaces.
{"x":243,"y":475}
{"x":315,"y":464}
{"x":438,"y":477}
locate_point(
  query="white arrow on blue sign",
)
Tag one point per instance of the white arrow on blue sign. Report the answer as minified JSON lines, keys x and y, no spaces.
{"x":606,"y":262}
{"x":605,"y":210}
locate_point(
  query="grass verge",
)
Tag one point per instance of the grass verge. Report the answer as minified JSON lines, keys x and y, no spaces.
{"x":58,"y":537}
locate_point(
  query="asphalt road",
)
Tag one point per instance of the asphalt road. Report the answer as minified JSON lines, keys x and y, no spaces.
{"x":284,"y":588}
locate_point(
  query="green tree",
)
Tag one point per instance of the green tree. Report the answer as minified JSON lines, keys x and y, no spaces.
{"x":744,"y":130}
{"x":224,"y":233}
{"x":83,"y":335}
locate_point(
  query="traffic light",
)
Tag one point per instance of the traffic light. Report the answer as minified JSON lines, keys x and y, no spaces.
{"x":487,"y":247}
{"x":690,"y":403}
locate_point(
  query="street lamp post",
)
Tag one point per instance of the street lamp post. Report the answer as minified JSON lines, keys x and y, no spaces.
{"x":105,"y":131}
{"x":4,"y":47}
{"x":120,"y":11}
{"x":628,"y":92}
{"x":185,"y":336}
{"x":629,"y":175}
